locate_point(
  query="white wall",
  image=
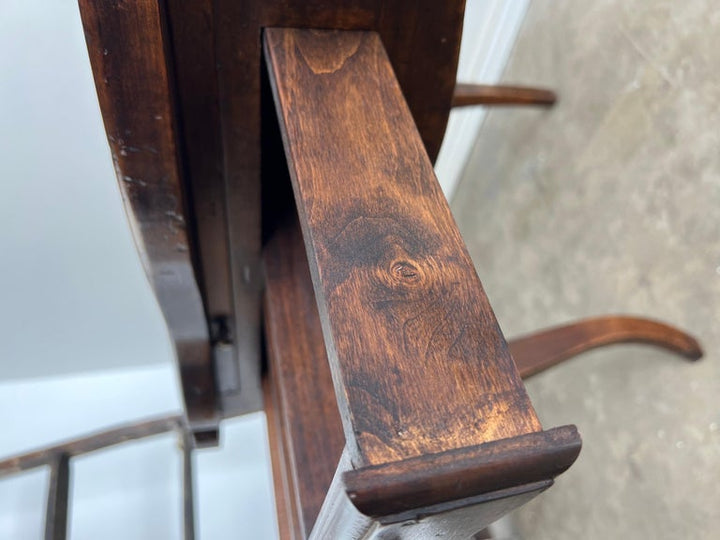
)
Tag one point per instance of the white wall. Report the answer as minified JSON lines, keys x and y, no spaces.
{"x":491,"y":27}
{"x":74,"y":296}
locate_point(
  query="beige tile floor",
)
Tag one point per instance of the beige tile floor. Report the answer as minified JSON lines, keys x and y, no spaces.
{"x":610,"y":202}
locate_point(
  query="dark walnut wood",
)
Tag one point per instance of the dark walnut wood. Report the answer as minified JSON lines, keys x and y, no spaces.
{"x":317,"y":439}
{"x":191,"y":36}
{"x":418,"y":360}
{"x":480,"y":94}
{"x":231,"y":304}
{"x":304,"y":421}
{"x":421,"y":371}
{"x":206,"y":55}
{"x":441,"y":435}
{"x":394,"y":488}
{"x":126,"y":44}
{"x":410,"y":30}
{"x":547,"y":348}
{"x":308,"y":428}
{"x":226,"y":205}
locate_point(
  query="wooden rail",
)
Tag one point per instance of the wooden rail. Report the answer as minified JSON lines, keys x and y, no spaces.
{"x":480,"y":94}
{"x":547,"y":348}
{"x":58,"y":456}
{"x":300,"y":399}
{"x":90,"y":443}
{"x":422,"y":373}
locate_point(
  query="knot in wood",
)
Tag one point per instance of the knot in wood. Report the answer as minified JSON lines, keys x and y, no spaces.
{"x":404,"y":271}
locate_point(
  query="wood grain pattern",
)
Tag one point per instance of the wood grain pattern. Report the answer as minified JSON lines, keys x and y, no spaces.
{"x":126,"y":42}
{"x":544,"y":349}
{"x":298,"y":367}
{"x":305,"y":424}
{"x":410,"y":29}
{"x":418,"y":361}
{"x":300,"y":374}
{"x":480,"y":94}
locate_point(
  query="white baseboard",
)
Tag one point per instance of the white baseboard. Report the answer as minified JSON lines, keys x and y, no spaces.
{"x":490,"y":30}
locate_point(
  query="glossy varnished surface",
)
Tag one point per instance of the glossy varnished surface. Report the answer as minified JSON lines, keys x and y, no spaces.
{"x":419,"y":363}
{"x":411,"y":31}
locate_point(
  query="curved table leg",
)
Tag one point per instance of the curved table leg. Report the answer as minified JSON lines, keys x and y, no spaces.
{"x":542,"y":350}
{"x":482,"y":94}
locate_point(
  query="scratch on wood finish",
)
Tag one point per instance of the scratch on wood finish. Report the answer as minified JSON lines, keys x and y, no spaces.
{"x":419,"y":363}
{"x":126,"y":43}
